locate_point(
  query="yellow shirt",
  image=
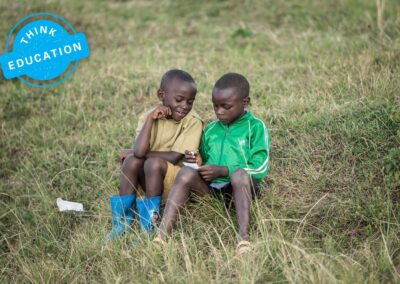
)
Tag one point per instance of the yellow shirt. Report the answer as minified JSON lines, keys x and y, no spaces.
{"x":171,"y":135}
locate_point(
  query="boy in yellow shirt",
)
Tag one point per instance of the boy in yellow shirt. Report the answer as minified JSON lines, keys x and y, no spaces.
{"x":163,"y":135}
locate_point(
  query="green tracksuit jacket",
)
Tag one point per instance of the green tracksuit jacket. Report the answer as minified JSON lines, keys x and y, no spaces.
{"x":241,"y":145}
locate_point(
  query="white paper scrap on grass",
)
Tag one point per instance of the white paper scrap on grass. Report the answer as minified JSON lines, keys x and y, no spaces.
{"x":191,"y":165}
{"x":64,"y":205}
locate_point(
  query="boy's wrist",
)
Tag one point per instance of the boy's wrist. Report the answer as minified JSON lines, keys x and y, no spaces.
{"x":224,"y":171}
{"x":150,"y":117}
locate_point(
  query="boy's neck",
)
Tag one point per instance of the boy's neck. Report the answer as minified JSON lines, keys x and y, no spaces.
{"x":237,"y":119}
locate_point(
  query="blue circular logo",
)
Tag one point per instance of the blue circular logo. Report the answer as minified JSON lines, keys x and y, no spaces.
{"x":43,"y":53}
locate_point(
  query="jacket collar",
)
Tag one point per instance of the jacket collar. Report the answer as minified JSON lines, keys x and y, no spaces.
{"x":245,"y":117}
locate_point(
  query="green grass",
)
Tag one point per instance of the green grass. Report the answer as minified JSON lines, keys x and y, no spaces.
{"x":324,"y":77}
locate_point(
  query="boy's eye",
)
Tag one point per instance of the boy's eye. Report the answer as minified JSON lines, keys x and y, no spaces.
{"x":226,"y":107}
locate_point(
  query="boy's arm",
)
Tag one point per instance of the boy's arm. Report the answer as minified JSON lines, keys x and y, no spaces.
{"x":203,"y":151}
{"x":210,"y":172}
{"x":170,"y":156}
{"x":258,"y":162}
{"x":142,"y":142}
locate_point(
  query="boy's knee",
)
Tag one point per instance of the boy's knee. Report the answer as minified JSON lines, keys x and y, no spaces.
{"x":186,"y":174}
{"x":154,"y":164}
{"x":239,"y":176}
{"x":131,"y":163}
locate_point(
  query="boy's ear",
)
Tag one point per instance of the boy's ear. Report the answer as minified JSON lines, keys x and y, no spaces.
{"x":246,"y":101}
{"x":160,"y":94}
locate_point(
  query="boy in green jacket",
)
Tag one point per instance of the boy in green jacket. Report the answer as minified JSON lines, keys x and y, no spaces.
{"x":234,"y":158}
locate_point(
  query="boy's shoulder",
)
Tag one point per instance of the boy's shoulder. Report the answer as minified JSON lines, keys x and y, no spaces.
{"x":193,"y":116}
{"x":211,"y":125}
{"x":191,"y":121}
{"x":258,"y":125}
{"x":249,"y":116}
{"x":255,"y":120}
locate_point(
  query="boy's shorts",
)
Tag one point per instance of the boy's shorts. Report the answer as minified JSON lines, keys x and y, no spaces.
{"x":169,"y":179}
{"x":172,"y":172}
{"x":226,"y":192}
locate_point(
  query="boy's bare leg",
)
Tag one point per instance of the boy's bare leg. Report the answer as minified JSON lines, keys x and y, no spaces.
{"x":187,"y":180}
{"x":241,"y":185}
{"x":132,"y":174}
{"x":155,"y":170}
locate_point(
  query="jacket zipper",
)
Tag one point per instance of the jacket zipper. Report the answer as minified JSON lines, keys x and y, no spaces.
{"x":222,"y":145}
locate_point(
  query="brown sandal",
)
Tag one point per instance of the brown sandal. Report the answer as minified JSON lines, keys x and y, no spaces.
{"x":243,"y":247}
{"x":159,"y":242}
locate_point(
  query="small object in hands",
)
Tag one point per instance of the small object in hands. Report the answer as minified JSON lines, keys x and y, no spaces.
{"x":64,"y":205}
{"x":191,"y":165}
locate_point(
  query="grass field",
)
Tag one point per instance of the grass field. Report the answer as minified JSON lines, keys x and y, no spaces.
{"x":325,"y":77}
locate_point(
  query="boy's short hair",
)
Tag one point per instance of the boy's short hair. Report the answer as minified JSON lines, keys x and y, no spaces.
{"x":177,"y":74}
{"x":234,"y":80}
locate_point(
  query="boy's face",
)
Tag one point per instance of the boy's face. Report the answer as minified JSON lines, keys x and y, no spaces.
{"x":228,"y":104}
{"x":179,"y":96}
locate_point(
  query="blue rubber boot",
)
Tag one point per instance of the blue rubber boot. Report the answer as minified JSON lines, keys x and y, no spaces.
{"x":149,"y":213}
{"x":122,"y":213}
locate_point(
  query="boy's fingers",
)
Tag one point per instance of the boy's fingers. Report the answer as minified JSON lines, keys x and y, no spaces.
{"x":156,"y":114}
{"x":204,"y":168}
{"x":207,"y":178}
{"x":205,"y":174}
{"x":160,"y":112}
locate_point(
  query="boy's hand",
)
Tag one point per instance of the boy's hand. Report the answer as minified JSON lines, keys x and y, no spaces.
{"x":210,"y":172}
{"x":193,"y":157}
{"x":125,"y":154}
{"x":161,"y":112}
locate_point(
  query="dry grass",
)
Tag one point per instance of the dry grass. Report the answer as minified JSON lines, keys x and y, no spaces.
{"x":324,"y":77}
